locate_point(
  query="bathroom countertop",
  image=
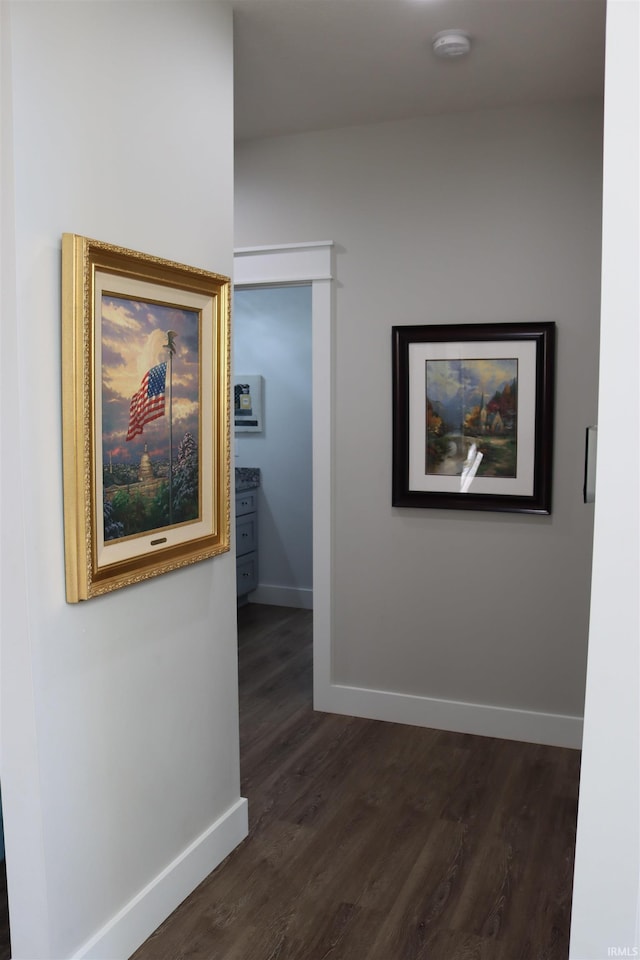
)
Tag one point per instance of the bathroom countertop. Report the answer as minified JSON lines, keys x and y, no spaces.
{"x":247,"y":478}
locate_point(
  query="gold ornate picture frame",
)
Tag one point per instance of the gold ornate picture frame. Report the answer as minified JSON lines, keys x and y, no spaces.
{"x":146,"y":415}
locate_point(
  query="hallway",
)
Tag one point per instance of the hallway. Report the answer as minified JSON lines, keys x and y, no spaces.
{"x":378,"y":840}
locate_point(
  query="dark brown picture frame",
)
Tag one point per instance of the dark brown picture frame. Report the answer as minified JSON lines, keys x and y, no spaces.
{"x":429,"y":358}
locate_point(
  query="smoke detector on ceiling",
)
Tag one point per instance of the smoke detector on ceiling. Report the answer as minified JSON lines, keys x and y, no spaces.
{"x":451,"y":43}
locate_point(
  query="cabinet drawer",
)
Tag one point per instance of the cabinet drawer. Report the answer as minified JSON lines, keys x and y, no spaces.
{"x":246,"y":534}
{"x":246,"y":502}
{"x":247,"y":574}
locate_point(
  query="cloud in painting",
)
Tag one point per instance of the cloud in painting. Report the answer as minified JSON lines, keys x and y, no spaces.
{"x":184,"y":410}
{"x":134,"y":338}
{"x":447,"y":379}
{"x":119,"y":315}
{"x":111,"y":355}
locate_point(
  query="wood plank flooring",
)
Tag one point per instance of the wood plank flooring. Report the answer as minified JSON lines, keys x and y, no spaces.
{"x":5,"y":939}
{"x":377,"y":841}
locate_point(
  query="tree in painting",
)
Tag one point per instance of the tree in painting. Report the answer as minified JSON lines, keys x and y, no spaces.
{"x":185,"y":480}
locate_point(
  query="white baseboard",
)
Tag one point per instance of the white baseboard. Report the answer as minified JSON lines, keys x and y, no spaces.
{"x":273,"y":595}
{"x":479,"y":719}
{"x":131,"y":926}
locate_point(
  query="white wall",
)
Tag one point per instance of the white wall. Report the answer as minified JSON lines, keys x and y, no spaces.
{"x":606,"y":909}
{"x":120,"y":771}
{"x":493,"y":216}
{"x":272,"y":337}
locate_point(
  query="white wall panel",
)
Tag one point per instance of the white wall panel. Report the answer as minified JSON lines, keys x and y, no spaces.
{"x":606,"y":917}
{"x":121,"y":130}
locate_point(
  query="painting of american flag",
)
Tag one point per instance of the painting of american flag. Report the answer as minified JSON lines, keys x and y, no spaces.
{"x":147,"y":403}
{"x":146,"y":358}
{"x":150,"y":415}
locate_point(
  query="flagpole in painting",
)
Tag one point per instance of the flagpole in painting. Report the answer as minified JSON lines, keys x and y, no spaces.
{"x":171,"y":347}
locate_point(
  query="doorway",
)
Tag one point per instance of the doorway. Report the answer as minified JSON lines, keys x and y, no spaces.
{"x":272,"y":351}
{"x":310,"y":263}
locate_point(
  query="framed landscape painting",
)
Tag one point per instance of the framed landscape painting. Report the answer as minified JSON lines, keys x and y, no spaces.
{"x":473,"y":416}
{"x":146,"y":421}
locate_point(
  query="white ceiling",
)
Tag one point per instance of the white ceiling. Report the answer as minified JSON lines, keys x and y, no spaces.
{"x":314,"y":64}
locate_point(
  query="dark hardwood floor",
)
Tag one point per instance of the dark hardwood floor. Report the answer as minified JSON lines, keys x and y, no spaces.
{"x":5,"y":940}
{"x":377,"y":841}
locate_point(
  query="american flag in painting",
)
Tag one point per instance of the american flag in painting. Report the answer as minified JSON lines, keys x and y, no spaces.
{"x":148,"y":403}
